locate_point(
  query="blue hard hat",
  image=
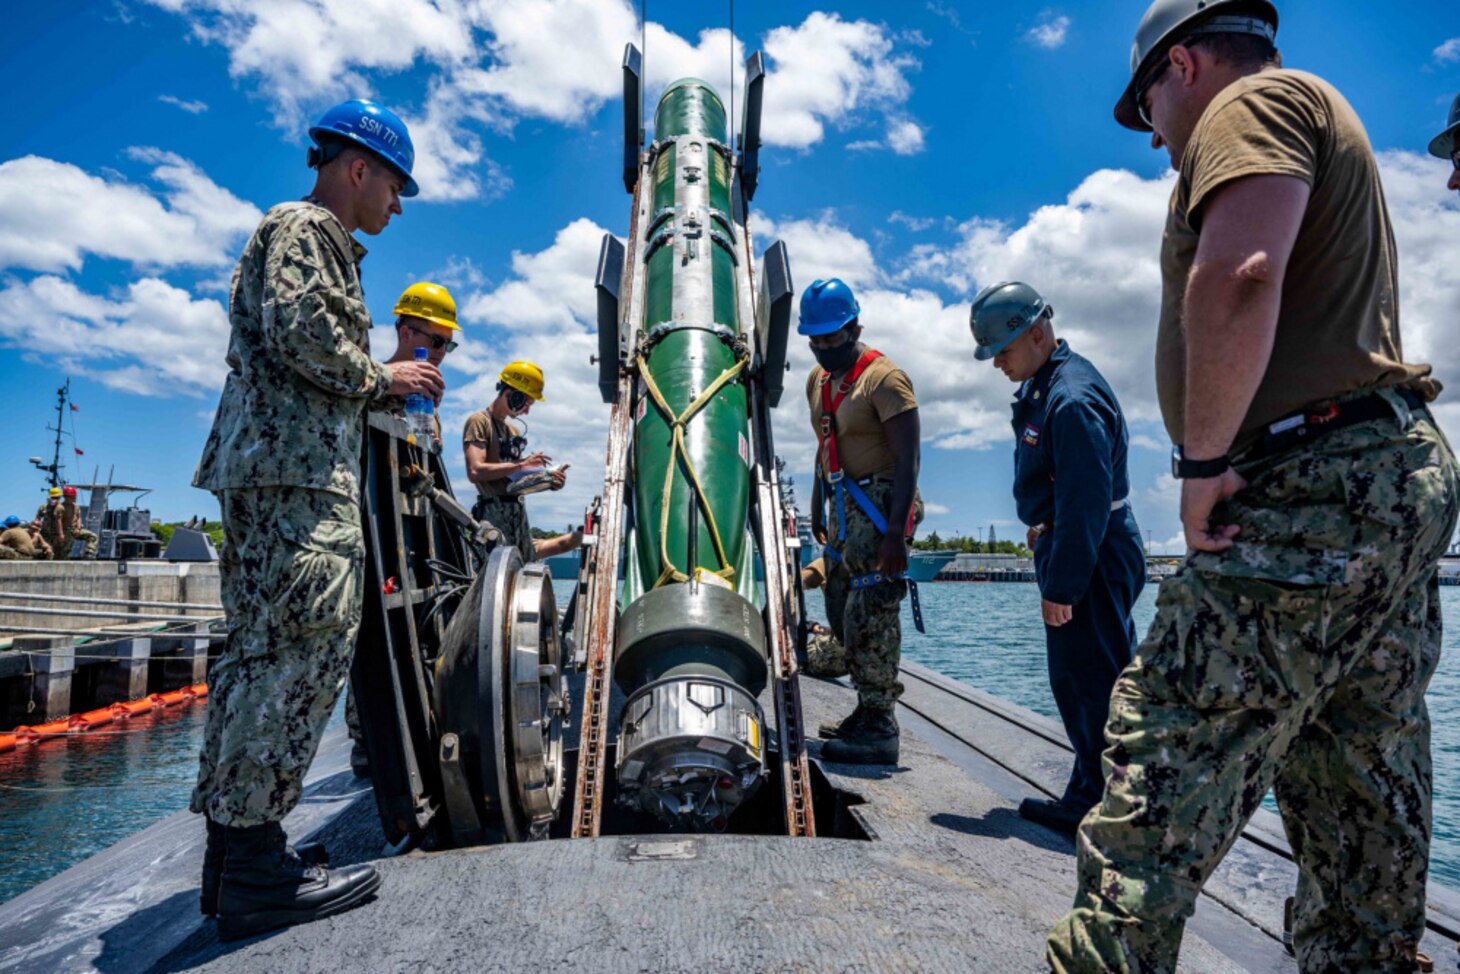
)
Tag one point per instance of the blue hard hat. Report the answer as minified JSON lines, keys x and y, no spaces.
{"x":12,"y":521}
{"x":376,"y":128}
{"x":827,"y":306}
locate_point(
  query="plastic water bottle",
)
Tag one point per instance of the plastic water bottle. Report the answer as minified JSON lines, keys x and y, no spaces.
{"x":421,"y":413}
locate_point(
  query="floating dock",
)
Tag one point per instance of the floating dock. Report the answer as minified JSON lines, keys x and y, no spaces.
{"x":933,"y":870}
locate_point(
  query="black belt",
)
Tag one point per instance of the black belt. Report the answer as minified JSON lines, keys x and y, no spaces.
{"x":1317,"y":421}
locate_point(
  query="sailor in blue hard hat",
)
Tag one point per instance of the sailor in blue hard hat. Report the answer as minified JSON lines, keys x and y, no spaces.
{"x":364,"y":156}
{"x":865,"y":416}
{"x":283,"y":459}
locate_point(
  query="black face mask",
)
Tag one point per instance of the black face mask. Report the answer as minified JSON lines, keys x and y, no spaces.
{"x":836,"y":359}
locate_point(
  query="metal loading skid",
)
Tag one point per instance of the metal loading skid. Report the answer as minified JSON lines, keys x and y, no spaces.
{"x":691,"y":641}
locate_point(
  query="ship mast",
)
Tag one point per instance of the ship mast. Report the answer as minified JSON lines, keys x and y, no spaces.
{"x":53,"y":471}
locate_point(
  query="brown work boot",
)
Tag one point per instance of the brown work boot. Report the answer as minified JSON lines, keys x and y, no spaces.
{"x":873,"y":741}
{"x":834,"y":729}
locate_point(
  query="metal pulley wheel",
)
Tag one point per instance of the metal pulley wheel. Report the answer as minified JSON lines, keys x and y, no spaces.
{"x":501,"y":703}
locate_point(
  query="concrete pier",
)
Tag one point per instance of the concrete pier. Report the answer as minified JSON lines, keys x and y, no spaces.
{"x":126,"y":678}
{"x":154,"y":581}
{"x":43,"y":692}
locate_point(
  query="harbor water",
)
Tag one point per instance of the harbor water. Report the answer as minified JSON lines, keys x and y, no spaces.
{"x":66,"y":800}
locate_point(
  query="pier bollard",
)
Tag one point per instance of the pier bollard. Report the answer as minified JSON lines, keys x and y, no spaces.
{"x":51,"y":660}
{"x":125,"y":679}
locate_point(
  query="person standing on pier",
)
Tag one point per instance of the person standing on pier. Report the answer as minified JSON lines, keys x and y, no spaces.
{"x":74,"y":531}
{"x":1293,"y":649}
{"x":865,"y":416}
{"x":1071,"y":487}
{"x":51,"y":516}
{"x":1446,"y":145}
{"x":283,"y":460}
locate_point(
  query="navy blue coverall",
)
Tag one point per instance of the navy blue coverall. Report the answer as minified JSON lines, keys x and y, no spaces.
{"x":1070,"y":475}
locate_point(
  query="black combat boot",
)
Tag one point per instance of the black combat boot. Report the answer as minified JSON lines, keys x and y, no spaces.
{"x":264,"y":887}
{"x":841,"y":727}
{"x":309,"y":853}
{"x":873,"y":741}
{"x":359,"y":761}
{"x":1052,"y":814}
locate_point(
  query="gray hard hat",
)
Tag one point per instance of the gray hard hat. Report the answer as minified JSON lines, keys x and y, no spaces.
{"x":1169,"y":22}
{"x":1002,"y":313}
{"x":1443,"y":145}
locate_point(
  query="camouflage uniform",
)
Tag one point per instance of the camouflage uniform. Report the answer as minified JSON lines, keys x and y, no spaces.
{"x":508,"y":515}
{"x":826,"y":656}
{"x":54,"y":533}
{"x":284,"y":461}
{"x":866,"y":621}
{"x":1297,"y":660}
{"x":71,"y":519}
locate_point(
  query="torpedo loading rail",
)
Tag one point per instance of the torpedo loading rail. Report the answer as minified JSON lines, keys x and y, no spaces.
{"x":685,"y":621}
{"x":691,"y":357}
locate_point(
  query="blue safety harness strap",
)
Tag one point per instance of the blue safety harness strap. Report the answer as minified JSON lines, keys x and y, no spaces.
{"x":839,"y":485}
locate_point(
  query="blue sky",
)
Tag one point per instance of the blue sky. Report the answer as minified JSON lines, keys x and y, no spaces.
{"x":919,"y":151}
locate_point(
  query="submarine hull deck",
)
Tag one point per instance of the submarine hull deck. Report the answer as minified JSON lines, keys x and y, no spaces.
{"x":949,"y":879}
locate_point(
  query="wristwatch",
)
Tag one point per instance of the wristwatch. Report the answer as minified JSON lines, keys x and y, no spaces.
{"x":1184,"y":469}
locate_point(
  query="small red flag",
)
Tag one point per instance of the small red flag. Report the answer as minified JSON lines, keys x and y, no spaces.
{"x":80,"y":452}
{"x":75,"y":408}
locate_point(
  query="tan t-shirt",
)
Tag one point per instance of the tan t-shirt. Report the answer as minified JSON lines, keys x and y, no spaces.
{"x":18,"y":539}
{"x":882,"y":392}
{"x":485,"y":431}
{"x":1338,"y":326}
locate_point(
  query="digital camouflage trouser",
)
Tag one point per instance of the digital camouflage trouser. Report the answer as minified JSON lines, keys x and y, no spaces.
{"x":292,"y":581}
{"x":80,"y":534}
{"x":1296,"y":661}
{"x":826,"y":656}
{"x":508,"y":515}
{"x":867,"y":621}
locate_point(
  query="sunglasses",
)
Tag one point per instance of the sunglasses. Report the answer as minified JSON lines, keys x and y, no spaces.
{"x":437,"y":342}
{"x":1142,"y":108}
{"x":1455,"y":159}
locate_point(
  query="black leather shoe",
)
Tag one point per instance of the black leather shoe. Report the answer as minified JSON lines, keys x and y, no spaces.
{"x":872,"y":741}
{"x":1052,"y":814}
{"x":264,"y":887}
{"x":835,"y":729}
{"x":309,"y":853}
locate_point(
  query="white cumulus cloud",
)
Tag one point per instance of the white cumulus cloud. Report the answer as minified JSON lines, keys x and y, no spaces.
{"x":49,"y":215}
{"x":492,"y":62}
{"x":152,"y":339}
{"x":1448,"y":52}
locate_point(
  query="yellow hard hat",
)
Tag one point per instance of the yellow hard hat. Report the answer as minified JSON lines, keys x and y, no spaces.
{"x":429,"y":301}
{"x":55,"y":492}
{"x":524,"y":377}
